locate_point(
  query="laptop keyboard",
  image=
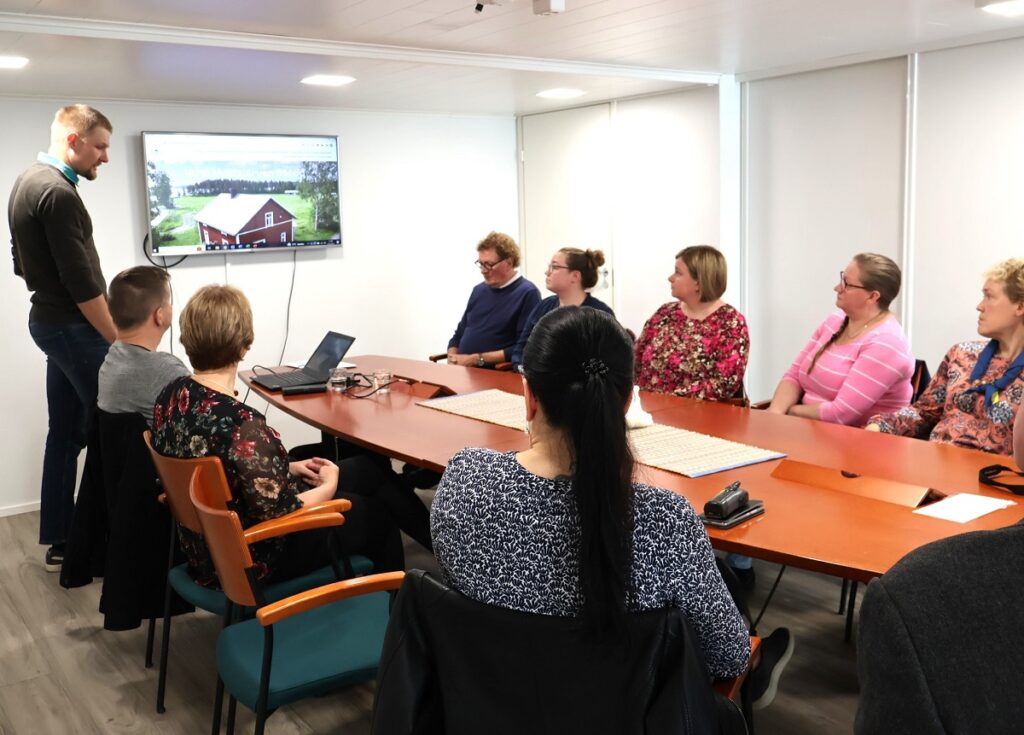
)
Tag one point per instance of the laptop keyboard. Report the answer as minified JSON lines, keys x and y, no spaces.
{"x":298,"y":377}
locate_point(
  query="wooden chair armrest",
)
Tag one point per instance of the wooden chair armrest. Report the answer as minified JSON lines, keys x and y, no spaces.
{"x":337,"y":505}
{"x":291,"y":523}
{"x":503,"y":366}
{"x":760,"y":405}
{"x":439,"y":358}
{"x":162,"y":498}
{"x":731,"y":687}
{"x":309,"y":599}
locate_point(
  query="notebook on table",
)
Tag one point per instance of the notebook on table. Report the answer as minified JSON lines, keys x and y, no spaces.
{"x":318,"y":367}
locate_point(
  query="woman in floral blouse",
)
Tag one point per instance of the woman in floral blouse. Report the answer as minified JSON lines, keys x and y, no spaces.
{"x":199,"y":416}
{"x":696,"y":346}
{"x":974,"y":397}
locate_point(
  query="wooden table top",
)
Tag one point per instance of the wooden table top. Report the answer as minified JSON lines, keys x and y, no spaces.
{"x":828,"y":531}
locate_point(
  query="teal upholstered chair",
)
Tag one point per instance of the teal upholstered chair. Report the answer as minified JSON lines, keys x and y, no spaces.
{"x":175,"y":474}
{"x":302,"y":646}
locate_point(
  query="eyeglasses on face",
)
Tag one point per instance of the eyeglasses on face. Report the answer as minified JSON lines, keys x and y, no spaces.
{"x":846,"y":284}
{"x":554,"y":267}
{"x":485,"y":266}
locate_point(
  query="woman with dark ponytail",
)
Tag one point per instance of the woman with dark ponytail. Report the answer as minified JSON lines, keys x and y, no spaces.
{"x":562,"y":528}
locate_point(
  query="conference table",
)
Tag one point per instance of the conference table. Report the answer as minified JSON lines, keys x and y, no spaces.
{"x":834,"y":532}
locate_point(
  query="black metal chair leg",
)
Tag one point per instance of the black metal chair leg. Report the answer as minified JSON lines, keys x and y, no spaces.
{"x":165,"y":632}
{"x":849,"y":612}
{"x":150,"y":635}
{"x":232,"y":706}
{"x":842,"y":597}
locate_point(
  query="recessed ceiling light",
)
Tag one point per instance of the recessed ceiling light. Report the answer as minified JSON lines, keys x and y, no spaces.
{"x":12,"y":62}
{"x":328,"y":80}
{"x":560,"y":93}
{"x":1009,"y":8}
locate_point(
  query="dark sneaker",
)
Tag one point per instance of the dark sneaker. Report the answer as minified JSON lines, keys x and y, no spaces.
{"x":54,"y":558}
{"x":776,"y":651}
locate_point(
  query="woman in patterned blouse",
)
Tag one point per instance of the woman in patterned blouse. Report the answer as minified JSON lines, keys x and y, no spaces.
{"x":562,"y":528}
{"x":696,"y":346}
{"x":858,"y":361}
{"x":199,"y":416}
{"x":974,"y":397}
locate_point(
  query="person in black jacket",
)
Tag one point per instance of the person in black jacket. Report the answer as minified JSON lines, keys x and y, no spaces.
{"x":54,"y":252}
{"x":940,"y":639}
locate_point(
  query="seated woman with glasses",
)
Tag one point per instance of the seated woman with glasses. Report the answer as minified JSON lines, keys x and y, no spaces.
{"x":698,"y":345}
{"x":974,"y":397}
{"x":563,"y":528}
{"x":857,"y":362}
{"x":198,"y":416}
{"x":570,"y":274}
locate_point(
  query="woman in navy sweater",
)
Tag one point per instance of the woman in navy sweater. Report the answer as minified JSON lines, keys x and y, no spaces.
{"x":570,"y":274}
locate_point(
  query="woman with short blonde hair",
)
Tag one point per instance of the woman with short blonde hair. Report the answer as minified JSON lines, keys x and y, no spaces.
{"x":696,"y":346}
{"x":978,"y":388}
{"x":198,"y":416}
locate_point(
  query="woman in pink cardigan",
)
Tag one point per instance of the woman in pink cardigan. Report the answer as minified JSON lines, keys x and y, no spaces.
{"x":857,"y":363}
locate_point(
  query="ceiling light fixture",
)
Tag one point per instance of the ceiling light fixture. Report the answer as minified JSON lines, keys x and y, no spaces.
{"x":1008,"y":8}
{"x":328,"y":80}
{"x":560,"y":93}
{"x":13,"y":62}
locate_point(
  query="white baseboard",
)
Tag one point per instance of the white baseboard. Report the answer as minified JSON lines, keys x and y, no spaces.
{"x":13,"y":510}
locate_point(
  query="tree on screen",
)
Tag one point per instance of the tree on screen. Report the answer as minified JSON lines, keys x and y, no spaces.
{"x":159,"y":189}
{"x":319,"y":185}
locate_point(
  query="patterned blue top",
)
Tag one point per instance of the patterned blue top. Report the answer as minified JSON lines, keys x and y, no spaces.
{"x":506,"y":537}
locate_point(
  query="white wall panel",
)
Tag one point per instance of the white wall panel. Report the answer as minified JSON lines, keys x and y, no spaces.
{"x":970,"y":185}
{"x":825,"y":181}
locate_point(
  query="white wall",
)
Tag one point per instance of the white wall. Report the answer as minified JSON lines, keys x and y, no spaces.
{"x":650,"y":166}
{"x":824,"y":182}
{"x":969,"y":183}
{"x":418,"y":192}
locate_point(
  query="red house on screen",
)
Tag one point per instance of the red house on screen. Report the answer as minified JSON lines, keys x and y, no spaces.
{"x":232,"y":219}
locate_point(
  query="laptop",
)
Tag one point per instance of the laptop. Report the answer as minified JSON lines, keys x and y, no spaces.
{"x":318,"y":367}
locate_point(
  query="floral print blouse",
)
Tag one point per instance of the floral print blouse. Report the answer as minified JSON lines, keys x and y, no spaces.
{"x":698,"y":358}
{"x":190,"y":420}
{"x":945,"y":413}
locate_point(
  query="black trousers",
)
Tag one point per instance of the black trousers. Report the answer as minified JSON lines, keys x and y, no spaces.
{"x":370,"y":528}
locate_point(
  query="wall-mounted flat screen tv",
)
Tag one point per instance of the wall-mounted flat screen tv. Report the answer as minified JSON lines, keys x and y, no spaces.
{"x":215,"y":193}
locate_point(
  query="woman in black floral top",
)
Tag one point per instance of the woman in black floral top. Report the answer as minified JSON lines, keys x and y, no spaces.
{"x":198,"y":416}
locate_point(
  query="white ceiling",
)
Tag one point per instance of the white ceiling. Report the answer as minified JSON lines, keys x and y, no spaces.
{"x":438,"y":55}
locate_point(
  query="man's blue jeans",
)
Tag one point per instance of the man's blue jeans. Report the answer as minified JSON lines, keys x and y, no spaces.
{"x":74,"y":353}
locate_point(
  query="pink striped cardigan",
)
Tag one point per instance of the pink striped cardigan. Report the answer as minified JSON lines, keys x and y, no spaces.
{"x":852,"y":382}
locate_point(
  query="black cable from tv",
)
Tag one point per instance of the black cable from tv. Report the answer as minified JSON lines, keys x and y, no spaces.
{"x":287,"y":325}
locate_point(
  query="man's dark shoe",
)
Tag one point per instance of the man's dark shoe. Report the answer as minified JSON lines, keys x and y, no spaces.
{"x":776,"y":650}
{"x":54,"y":558}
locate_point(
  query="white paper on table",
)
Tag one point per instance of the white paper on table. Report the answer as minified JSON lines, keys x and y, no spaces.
{"x":964,"y":507}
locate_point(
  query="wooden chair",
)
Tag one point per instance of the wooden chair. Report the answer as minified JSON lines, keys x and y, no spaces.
{"x":325,"y":638}
{"x":175,"y":475}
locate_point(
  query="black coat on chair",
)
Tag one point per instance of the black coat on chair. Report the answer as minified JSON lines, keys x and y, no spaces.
{"x":456,"y":666}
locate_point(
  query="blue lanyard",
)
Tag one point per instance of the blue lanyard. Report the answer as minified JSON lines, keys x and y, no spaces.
{"x":993,"y":389}
{"x":69,"y":173}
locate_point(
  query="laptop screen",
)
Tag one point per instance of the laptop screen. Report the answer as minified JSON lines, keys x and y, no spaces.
{"x":329,"y":354}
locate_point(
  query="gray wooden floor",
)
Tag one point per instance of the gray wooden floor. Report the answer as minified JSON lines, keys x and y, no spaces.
{"x":61,"y":673}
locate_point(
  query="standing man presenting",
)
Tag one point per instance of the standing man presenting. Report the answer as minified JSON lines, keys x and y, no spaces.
{"x":54,"y":252}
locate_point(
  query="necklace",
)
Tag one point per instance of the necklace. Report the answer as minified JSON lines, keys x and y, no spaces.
{"x":206,"y":380}
{"x":867,"y":324}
